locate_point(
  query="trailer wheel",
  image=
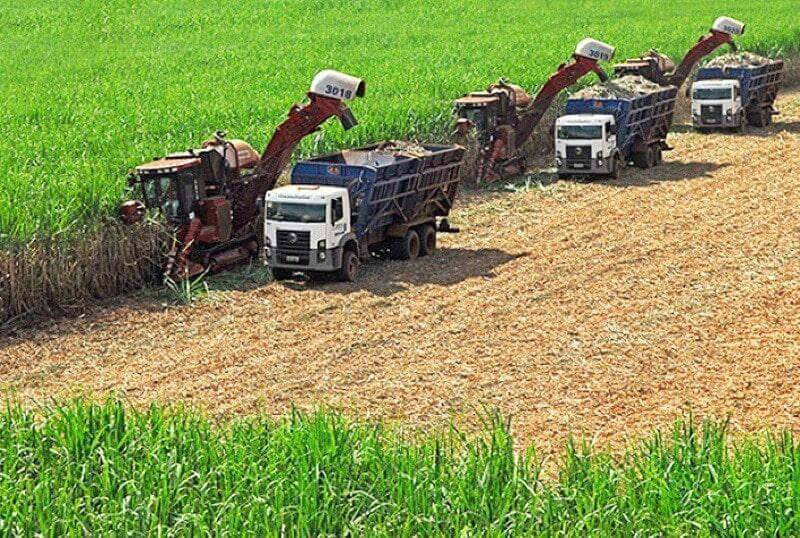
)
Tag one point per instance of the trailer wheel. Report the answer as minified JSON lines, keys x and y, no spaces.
{"x":427,"y":240}
{"x":349,"y":269}
{"x":407,"y":247}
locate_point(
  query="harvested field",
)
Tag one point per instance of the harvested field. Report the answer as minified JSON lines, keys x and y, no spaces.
{"x":605,"y":307}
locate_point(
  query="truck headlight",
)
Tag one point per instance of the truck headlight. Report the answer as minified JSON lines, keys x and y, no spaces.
{"x":729,"y":112}
{"x":267,"y":252}
{"x":321,"y":255}
{"x":559,"y":162}
{"x":321,"y":245}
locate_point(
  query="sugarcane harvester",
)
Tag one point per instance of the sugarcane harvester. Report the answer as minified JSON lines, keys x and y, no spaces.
{"x":505,"y":116}
{"x":210,"y":197}
{"x":659,"y":68}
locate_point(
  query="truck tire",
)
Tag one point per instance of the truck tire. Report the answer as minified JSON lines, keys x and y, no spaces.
{"x":349,"y":269}
{"x":427,"y":240}
{"x":280,"y":274}
{"x":758,"y":118}
{"x":658,"y":154}
{"x":407,"y":247}
{"x":616,"y":168}
{"x":643,"y":159}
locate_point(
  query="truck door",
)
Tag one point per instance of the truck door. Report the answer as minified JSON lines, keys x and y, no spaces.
{"x":339,"y":226}
{"x":611,"y":138}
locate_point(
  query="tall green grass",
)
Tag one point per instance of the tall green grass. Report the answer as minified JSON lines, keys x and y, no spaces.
{"x":91,"y":88}
{"x":82,"y":469}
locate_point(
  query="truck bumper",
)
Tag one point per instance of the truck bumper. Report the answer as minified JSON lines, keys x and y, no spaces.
{"x":311,"y":260}
{"x":725,"y":122}
{"x":592,"y":167}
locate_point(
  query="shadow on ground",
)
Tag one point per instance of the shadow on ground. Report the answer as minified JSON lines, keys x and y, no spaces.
{"x":771,"y":130}
{"x":667,"y":171}
{"x":384,"y":278}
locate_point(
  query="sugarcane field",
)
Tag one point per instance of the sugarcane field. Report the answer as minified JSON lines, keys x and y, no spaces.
{"x":400,"y":268}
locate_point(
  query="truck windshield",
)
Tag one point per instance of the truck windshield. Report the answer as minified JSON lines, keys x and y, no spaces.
{"x":580,"y":132}
{"x":712,"y":93}
{"x":296,"y":212}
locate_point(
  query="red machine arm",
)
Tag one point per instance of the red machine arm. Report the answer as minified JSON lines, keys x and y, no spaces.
{"x":660,"y":69}
{"x":705,"y":46}
{"x":302,"y":121}
{"x":567,"y":75}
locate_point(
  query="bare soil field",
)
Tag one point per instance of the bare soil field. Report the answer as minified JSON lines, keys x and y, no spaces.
{"x":607,"y":307}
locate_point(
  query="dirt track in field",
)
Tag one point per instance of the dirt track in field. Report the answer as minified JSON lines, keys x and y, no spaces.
{"x":606,"y":307}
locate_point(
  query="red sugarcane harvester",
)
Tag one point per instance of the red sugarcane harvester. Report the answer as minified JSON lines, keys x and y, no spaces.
{"x":660,"y":68}
{"x":505,"y":116}
{"x":210,"y":196}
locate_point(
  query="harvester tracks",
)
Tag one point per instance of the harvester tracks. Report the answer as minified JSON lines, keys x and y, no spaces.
{"x":601,"y":307}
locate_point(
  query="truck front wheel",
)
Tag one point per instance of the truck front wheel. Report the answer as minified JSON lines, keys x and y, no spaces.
{"x":350,"y":264}
{"x":407,"y":247}
{"x":427,"y":238}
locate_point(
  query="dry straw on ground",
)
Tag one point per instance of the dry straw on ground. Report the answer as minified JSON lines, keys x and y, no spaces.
{"x":607,"y":307}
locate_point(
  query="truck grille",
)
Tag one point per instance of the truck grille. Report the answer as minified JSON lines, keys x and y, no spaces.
{"x":294,"y":241}
{"x":711,"y":114}
{"x":579,"y":157}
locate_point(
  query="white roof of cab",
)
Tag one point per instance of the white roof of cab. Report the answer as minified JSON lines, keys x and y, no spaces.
{"x":716,"y":83}
{"x":583,"y":119}
{"x":305,"y":192}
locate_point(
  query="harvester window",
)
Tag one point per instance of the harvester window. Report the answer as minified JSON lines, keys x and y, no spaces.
{"x":580,"y":132}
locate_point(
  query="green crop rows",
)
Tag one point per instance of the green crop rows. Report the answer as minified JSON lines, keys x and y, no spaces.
{"x":98,"y":470}
{"x":91,"y":88}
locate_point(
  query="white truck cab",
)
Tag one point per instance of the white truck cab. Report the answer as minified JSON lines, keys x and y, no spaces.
{"x":587,"y":144}
{"x":306,"y":228}
{"x":717,"y":104}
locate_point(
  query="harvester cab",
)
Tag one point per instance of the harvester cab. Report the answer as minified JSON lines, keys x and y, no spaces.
{"x":660,"y":68}
{"x":504,"y":116}
{"x":210,"y":196}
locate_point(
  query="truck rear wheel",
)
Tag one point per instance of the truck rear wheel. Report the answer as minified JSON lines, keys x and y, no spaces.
{"x":349,"y":269}
{"x":643,"y":159}
{"x":616,"y":168}
{"x":658,"y":155}
{"x":407,"y":247}
{"x":427,"y":240}
{"x":758,"y":118}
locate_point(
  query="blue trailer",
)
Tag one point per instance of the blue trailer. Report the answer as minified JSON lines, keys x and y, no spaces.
{"x":344,"y":207}
{"x":730,"y":97}
{"x":603,"y":135}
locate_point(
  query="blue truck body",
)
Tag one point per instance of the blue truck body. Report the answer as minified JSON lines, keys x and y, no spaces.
{"x":641,"y":120}
{"x":388,"y":187}
{"x":759,"y":85}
